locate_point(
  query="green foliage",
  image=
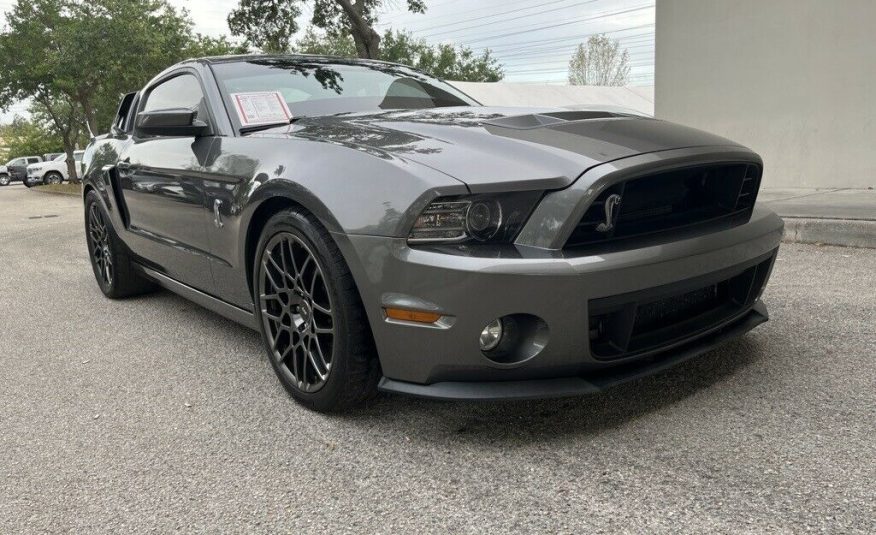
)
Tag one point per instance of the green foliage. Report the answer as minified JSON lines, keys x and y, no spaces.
{"x":270,"y":24}
{"x":27,"y":138}
{"x":266,"y":24}
{"x":85,"y":54}
{"x":442,"y":61}
{"x":203,"y":46}
{"x":314,"y":42}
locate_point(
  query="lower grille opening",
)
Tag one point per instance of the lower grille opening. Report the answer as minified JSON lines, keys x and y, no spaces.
{"x":642,"y":322}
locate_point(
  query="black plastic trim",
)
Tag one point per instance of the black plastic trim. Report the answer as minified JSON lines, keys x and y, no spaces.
{"x":576,"y":386}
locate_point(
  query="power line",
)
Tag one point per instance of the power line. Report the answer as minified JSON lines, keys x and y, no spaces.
{"x":559,"y":50}
{"x":528,"y":15}
{"x":569,"y":42}
{"x":531,"y":6}
{"x":397,"y":15}
{"x":444,"y":17}
{"x":521,"y":30}
{"x":520,"y":45}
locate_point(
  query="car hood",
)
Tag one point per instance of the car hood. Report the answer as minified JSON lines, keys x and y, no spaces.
{"x":486,"y":146}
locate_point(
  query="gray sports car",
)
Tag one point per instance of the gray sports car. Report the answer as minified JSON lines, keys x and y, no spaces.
{"x":384,"y":231}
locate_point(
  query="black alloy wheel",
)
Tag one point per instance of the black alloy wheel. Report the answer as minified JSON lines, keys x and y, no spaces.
{"x":296,"y":311}
{"x":113,"y":269}
{"x":311,"y":317}
{"x":99,"y":247}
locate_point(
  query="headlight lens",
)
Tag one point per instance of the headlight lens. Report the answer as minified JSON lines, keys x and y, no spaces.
{"x":476,"y":218}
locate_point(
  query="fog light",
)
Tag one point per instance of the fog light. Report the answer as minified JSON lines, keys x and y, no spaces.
{"x":491,"y":335}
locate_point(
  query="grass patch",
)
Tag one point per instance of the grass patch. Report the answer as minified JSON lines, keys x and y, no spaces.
{"x":65,"y":188}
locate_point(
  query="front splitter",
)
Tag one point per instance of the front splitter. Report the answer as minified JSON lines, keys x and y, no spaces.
{"x":580,"y":385}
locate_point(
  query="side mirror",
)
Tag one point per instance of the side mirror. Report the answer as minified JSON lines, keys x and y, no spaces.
{"x":172,"y":122}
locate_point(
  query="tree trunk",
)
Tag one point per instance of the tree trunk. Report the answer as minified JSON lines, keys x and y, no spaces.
{"x":90,"y":119}
{"x":367,"y":40}
{"x":72,"y":172}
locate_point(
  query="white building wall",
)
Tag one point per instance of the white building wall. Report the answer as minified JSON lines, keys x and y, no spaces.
{"x":795,"y":80}
{"x":640,"y":99}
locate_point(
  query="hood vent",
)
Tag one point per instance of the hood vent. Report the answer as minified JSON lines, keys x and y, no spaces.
{"x":538,"y":120}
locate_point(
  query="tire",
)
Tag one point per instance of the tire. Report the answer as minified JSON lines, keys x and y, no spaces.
{"x":52,"y":177}
{"x":5,"y":179}
{"x":293,"y":321}
{"x":109,"y":258}
{"x":27,"y":183}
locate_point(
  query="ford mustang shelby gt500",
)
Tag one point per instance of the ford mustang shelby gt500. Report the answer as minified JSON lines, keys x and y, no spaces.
{"x":384,"y":231}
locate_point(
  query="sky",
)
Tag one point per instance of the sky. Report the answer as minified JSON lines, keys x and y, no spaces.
{"x":533,"y":39}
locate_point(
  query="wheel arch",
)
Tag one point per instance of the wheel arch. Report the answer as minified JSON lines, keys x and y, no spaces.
{"x":271,"y":198}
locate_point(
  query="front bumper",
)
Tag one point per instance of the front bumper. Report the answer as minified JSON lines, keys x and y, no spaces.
{"x":445,"y":360}
{"x":578,"y":385}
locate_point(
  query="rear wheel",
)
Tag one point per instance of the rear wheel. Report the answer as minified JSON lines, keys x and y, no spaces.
{"x":112,"y":266}
{"x":52,"y":177}
{"x":311,"y":317}
{"x":28,"y":183}
{"x":4,"y":179}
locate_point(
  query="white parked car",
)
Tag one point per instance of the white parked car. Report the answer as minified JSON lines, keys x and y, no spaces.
{"x":55,"y":171}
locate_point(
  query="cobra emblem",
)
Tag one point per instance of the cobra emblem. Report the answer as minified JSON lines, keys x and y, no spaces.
{"x":611,"y":211}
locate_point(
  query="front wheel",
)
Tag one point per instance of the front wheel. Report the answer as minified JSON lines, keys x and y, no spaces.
{"x":110,"y":262}
{"x":5,"y":180}
{"x":311,"y":317}
{"x":53,"y":178}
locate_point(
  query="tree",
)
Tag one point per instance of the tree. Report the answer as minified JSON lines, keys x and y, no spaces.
{"x":599,"y":62}
{"x":335,"y":17}
{"x":79,"y":56}
{"x":442,"y":61}
{"x":31,"y":58}
{"x":61,"y":117}
{"x":267,"y":24}
{"x":25,"y":137}
{"x":313,"y":42}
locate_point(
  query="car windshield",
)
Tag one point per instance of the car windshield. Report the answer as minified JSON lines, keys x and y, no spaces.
{"x":313,"y":87}
{"x":60,"y":158}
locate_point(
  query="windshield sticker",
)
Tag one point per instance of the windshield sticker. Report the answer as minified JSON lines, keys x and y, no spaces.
{"x":262,"y":107}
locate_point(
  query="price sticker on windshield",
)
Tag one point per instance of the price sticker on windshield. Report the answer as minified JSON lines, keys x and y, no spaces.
{"x":261,"y":107}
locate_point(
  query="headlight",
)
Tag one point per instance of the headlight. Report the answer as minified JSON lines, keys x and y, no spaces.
{"x":478,"y":218}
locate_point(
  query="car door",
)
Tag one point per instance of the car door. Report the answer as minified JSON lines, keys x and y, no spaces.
{"x":160,"y":179}
{"x":17,"y":169}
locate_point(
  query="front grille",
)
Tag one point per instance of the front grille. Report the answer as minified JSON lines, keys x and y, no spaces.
{"x":646,"y":321}
{"x":668,"y":206}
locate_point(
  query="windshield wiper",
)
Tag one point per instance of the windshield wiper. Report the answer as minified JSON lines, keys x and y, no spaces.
{"x":256,"y":128}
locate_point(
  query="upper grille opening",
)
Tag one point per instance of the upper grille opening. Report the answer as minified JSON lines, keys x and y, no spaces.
{"x":668,"y":206}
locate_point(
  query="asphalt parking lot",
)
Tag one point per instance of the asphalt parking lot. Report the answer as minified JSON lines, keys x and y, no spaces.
{"x":154,"y":414}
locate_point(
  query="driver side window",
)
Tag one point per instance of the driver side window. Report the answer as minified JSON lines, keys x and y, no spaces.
{"x":183,"y":91}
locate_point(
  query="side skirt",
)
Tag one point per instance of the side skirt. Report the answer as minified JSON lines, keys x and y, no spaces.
{"x":247,"y":319}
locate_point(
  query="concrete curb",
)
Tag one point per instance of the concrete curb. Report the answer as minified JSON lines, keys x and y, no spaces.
{"x":845,"y":232}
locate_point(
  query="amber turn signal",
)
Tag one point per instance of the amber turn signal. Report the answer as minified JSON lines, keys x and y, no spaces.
{"x":412,"y":315}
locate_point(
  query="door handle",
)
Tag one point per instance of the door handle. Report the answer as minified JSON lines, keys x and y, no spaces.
{"x":217,"y":216}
